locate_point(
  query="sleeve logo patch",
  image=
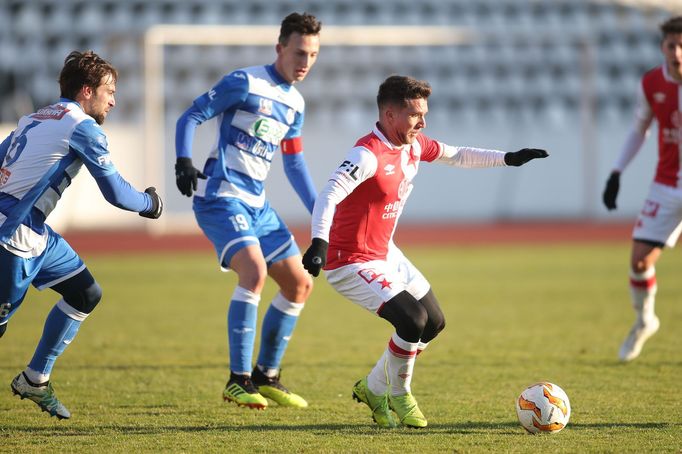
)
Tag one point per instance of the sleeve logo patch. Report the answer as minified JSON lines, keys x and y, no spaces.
{"x":104,"y":160}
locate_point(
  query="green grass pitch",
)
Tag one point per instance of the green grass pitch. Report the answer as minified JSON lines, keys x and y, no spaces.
{"x":147,"y":369}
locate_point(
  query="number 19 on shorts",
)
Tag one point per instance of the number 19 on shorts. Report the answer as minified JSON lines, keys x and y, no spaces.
{"x":239,"y":222}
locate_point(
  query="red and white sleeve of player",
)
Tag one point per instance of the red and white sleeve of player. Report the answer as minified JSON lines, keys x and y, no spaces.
{"x":358,"y":166}
{"x":638,"y":132}
{"x":470,"y":157}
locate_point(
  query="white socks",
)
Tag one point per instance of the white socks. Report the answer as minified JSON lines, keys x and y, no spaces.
{"x":643,"y":291}
{"x":395,"y":367}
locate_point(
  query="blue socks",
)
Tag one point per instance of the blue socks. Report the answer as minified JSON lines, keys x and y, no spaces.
{"x":241,"y":329}
{"x":278,"y":326}
{"x":61,"y":327}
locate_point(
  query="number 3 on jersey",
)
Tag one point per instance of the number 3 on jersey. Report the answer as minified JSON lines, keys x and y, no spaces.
{"x":239,"y":222}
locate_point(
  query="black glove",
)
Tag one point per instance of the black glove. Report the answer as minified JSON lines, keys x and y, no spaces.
{"x":611,"y":190}
{"x":157,"y":205}
{"x":316,"y":256}
{"x":186,"y":176}
{"x":519,"y":158}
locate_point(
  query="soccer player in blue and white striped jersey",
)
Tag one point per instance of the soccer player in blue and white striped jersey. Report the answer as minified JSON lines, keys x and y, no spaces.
{"x":258,"y":112}
{"x":38,"y":160}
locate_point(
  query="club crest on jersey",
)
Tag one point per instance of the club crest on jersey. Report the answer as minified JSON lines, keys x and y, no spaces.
{"x":389,"y":169}
{"x":290,"y":115}
{"x":403,"y":189}
{"x":659,"y":97}
{"x":265,"y":106}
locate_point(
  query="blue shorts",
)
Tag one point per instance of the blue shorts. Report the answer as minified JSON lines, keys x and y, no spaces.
{"x":57,"y":263}
{"x":231,"y":225}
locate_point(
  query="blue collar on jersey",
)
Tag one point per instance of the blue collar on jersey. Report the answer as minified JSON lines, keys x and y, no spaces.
{"x":70,"y":100}
{"x":277,"y":78}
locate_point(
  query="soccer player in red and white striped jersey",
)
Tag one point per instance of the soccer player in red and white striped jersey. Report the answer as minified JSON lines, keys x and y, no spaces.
{"x":354,"y":219}
{"x":660,"y":222}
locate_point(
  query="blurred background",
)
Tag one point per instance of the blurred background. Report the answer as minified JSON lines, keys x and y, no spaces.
{"x":507,"y":74}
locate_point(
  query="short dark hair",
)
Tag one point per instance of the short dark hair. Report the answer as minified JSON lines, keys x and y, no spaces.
{"x":399,"y":89}
{"x":671,"y":26}
{"x":305,"y":24}
{"x":83,"y":69}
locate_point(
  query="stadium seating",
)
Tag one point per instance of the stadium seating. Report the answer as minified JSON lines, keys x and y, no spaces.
{"x":531,"y":59}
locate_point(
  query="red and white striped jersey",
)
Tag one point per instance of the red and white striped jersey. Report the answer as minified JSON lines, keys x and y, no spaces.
{"x":661,"y":98}
{"x":358,"y":209}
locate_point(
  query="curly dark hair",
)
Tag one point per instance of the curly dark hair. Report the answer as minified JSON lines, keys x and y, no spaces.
{"x":305,"y":24}
{"x":399,"y":89}
{"x":83,"y":69}
{"x":672,"y":26}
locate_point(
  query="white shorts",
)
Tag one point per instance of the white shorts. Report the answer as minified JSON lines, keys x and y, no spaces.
{"x":661,"y":217}
{"x":371,"y":284}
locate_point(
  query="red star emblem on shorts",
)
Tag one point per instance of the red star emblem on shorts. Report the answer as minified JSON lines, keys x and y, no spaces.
{"x":384,"y":283}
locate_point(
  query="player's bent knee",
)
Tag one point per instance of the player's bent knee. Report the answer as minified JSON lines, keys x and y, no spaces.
{"x":297,"y":289}
{"x":81,"y":291}
{"x":305,"y":288}
{"x":85,"y":300}
{"x":407,"y":315}
{"x":432,"y":329}
{"x":436,"y":322}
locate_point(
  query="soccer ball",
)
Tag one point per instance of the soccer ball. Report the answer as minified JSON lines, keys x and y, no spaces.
{"x":543,"y":408}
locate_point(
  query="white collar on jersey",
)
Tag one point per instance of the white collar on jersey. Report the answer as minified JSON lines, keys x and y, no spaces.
{"x":667,"y":76}
{"x":377,"y":132}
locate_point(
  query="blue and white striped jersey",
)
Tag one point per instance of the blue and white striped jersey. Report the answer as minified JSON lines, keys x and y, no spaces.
{"x":256,"y":110}
{"x":38,"y":161}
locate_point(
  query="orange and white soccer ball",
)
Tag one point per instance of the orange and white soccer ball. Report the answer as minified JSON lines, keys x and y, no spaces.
{"x":543,"y":408}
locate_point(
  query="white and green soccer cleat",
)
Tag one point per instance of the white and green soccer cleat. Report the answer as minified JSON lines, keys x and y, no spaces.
{"x":240,"y":390}
{"x":42,"y":395}
{"x":381,"y":414}
{"x":639,"y":334}
{"x":273,"y":389}
{"x":408,"y":411}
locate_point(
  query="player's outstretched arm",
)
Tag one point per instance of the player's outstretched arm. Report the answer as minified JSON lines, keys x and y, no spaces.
{"x":519,"y":158}
{"x":611,"y":190}
{"x":315,"y":257}
{"x":121,"y":194}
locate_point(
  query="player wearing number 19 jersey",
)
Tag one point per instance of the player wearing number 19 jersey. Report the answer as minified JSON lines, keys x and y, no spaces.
{"x":37,"y":163}
{"x":353,"y":223}
{"x":660,"y":222}
{"x":258,"y":112}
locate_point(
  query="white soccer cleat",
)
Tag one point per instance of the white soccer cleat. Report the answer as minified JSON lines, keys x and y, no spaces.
{"x":43,"y":396}
{"x":639,"y":334}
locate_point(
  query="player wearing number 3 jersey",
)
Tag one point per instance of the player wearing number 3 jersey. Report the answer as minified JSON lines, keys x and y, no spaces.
{"x":258,"y":112}
{"x":353,"y":223}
